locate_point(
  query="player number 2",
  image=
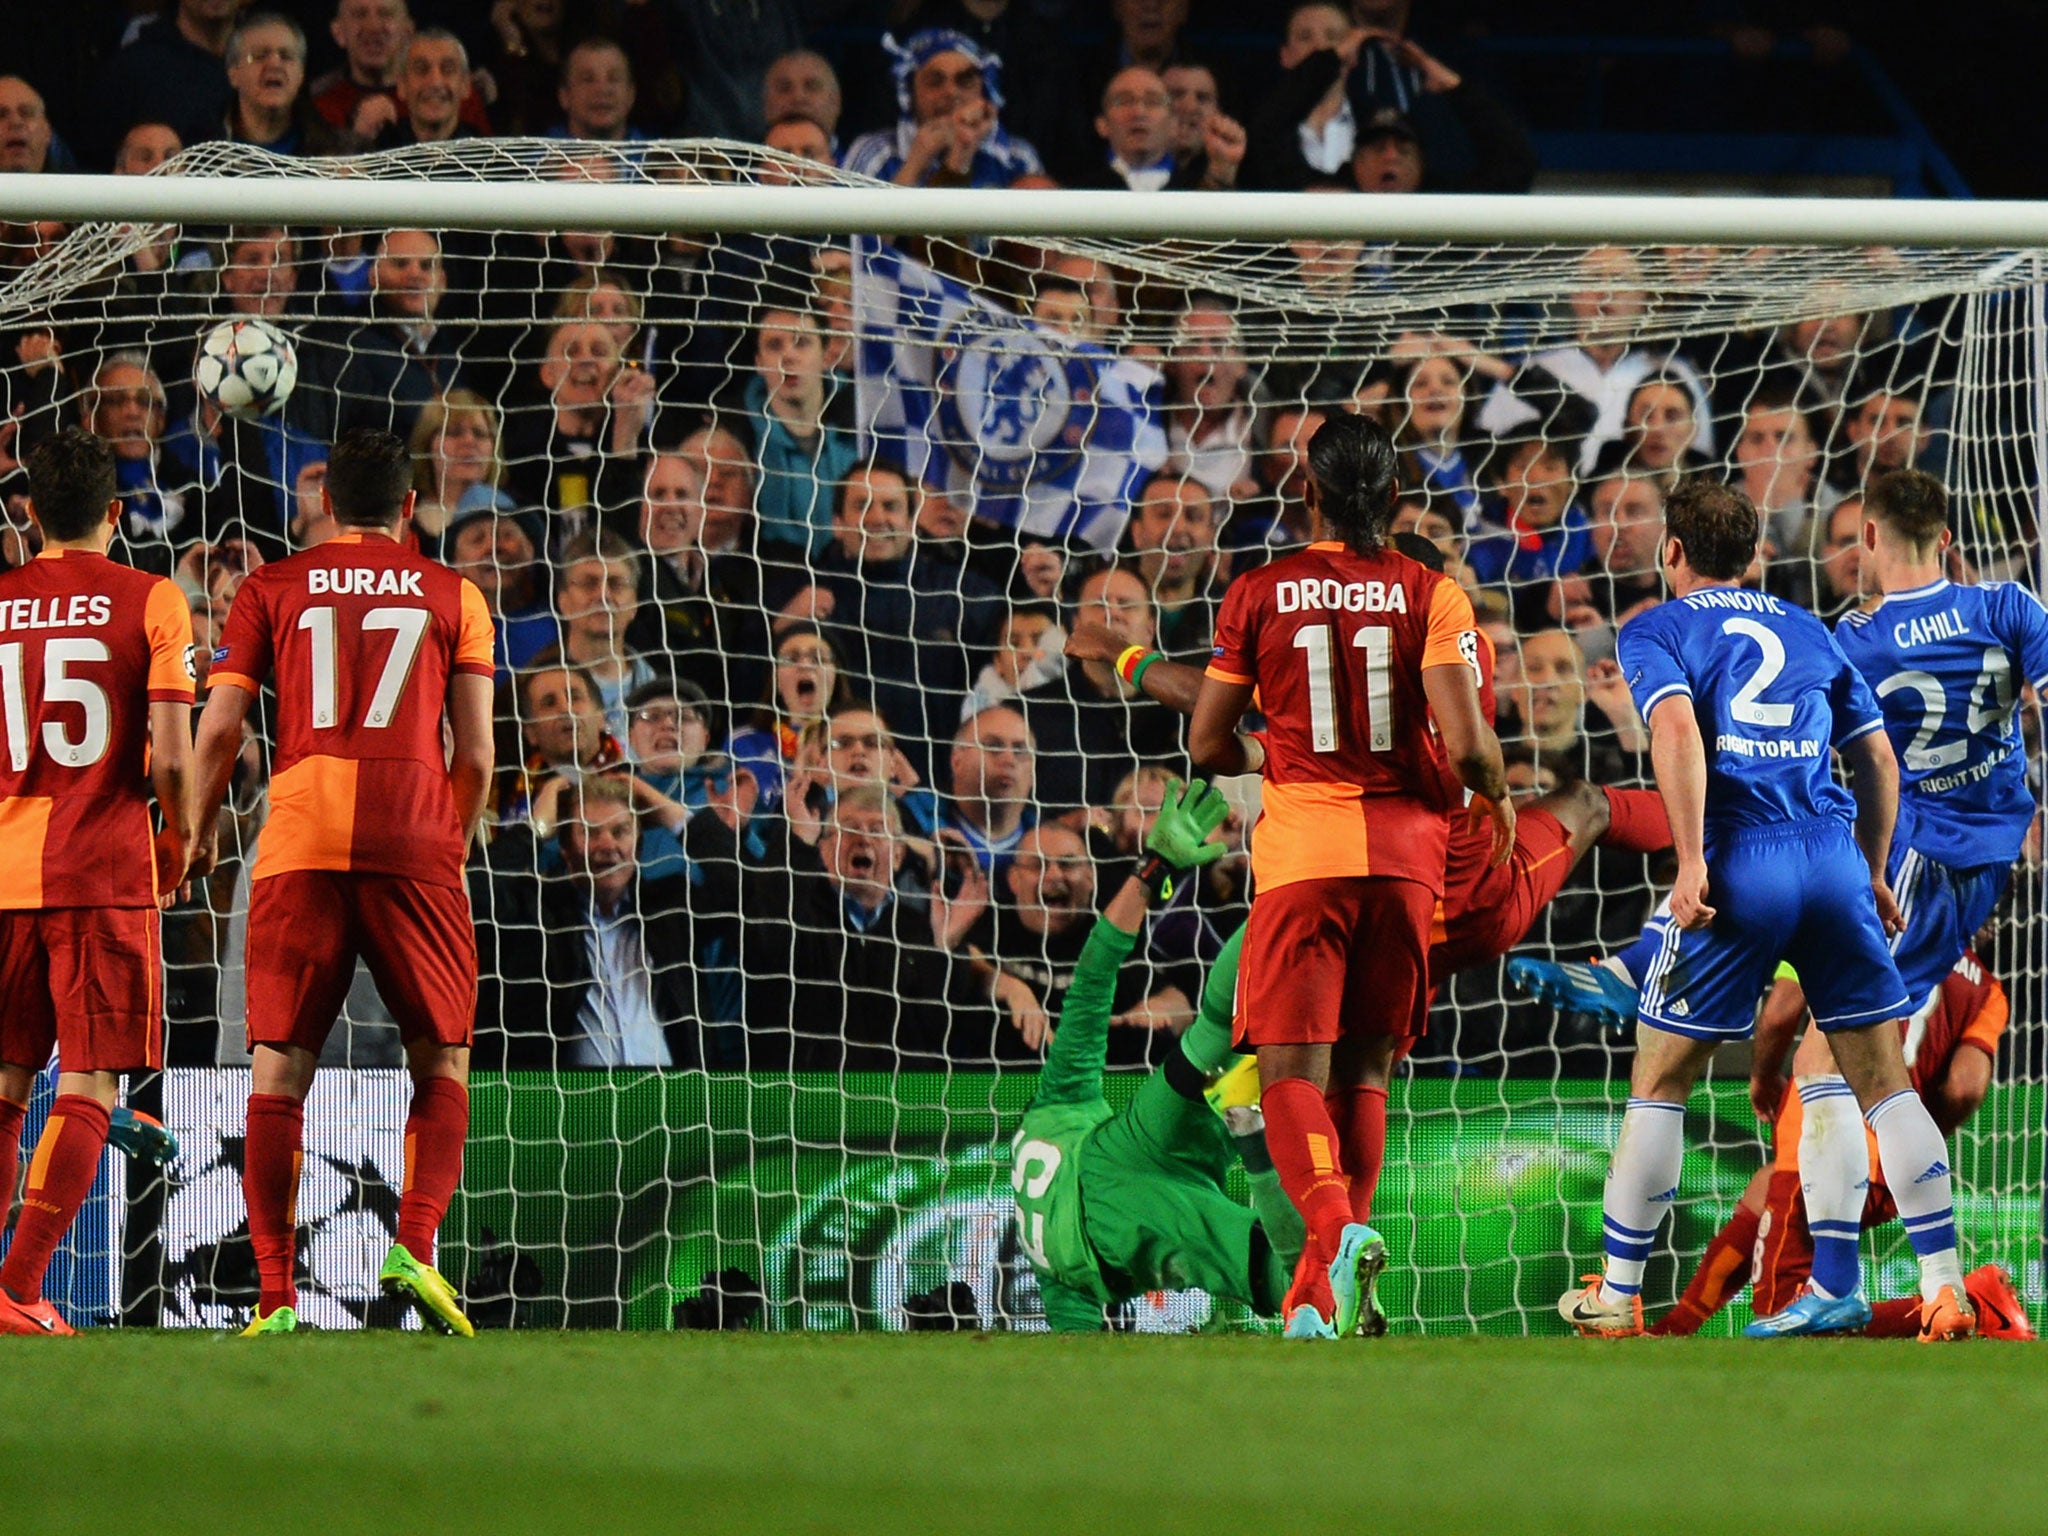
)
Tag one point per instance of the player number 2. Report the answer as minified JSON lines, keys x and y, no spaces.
{"x":59,"y":687}
{"x":410,"y":627}
{"x":1744,"y":706}
{"x":1377,"y":641}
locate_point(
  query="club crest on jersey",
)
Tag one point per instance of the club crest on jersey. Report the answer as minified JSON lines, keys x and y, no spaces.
{"x":322,"y":580}
{"x":1008,"y":403}
{"x":1334,"y":596}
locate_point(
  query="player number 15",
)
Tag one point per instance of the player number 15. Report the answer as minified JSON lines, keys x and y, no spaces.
{"x":59,"y":687}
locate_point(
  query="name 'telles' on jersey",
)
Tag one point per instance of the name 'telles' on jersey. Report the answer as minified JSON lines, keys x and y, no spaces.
{"x":1946,"y":664}
{"x":1771,"y":691}
{"x":86,"y":646}
{"x":361,"y":637}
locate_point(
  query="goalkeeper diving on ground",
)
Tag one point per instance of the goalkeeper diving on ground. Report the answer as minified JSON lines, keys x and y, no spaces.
{"x":1114,"y":1203}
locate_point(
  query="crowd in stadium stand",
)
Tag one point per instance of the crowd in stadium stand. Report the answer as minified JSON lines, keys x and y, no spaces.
{"x":793,"y":771}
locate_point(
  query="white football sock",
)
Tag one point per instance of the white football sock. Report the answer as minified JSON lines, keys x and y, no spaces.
{"x":1641,"y":1184}
{"x":1834,"y":1176}
{"x":1916,"y":1171}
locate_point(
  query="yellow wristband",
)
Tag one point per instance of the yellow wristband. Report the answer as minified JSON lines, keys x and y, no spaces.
{"x":1129,"y":659}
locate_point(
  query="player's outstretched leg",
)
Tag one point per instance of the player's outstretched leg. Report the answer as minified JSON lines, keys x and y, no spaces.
{"x":142,"y":1137}
{"x":60,"y":1176}
{"x":1590,"y":987}
{"x":435,"y":1130}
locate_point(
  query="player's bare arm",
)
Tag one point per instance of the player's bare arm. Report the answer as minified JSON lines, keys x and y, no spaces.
{"x":170,"y":775}
{"x":1214,"y":741}
{"x":1679,"y":758}
{"x":1875,"y":771}
{"x":1474,"y":751}
{"x":1172,"y":683}
{"x":471,"y":759}
{"x":217,"y":749}
{"x":1776,"y":1023}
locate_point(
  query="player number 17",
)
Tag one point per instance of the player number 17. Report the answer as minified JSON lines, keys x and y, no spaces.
{"x":1377,"y":641}
{"x":410,"y":627}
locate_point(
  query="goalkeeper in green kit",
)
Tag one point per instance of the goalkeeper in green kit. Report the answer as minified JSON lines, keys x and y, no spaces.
{"x":1113,"y":1204}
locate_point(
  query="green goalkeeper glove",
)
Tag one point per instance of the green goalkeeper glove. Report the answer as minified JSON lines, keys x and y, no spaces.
{"x":1180,"y":833}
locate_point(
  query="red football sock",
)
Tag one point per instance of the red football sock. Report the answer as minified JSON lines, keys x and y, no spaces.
{"x":270,"y":1188}
{"x":1360,"y":1115}
{"x":434,"y":1133}
{"x":1723,"y":1271}
{"x":59,"y":1178}
{"x":10,"y":1154}
{"x":1306,"y":1156}
{"x":1899,"y":1319}
{"x":1636,"y":821}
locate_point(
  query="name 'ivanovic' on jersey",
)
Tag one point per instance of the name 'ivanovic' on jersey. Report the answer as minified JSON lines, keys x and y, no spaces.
{"x":1771,"y":692}
{"x":1945,"y":662}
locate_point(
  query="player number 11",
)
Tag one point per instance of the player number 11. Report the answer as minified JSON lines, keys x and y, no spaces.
{"x":1377,"y":641}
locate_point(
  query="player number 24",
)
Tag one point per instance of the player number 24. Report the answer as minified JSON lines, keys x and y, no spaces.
{"x":1377,"y":641}
{"x":1991,"y":701}
{"x":409,"y":625}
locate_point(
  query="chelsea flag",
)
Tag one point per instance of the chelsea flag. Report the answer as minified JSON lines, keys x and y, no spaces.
{"x":1046,"y":434}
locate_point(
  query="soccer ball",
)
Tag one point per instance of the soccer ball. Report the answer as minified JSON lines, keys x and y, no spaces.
{"x":247,"y":368}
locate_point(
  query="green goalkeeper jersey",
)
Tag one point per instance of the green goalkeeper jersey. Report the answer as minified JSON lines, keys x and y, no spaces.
{"x":1066,"y":1111}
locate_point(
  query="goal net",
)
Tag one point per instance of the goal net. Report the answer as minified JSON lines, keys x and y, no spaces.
{"x":802,"y":816}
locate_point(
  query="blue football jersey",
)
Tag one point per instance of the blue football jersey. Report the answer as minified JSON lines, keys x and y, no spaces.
{"x":1946,"y":664}
{"x":1772,"y":693}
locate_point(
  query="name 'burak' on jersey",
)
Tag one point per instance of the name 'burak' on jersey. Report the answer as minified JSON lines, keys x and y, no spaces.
{"x":1947,"y":625}
{"x":1333,"y":596}
{"x":362,"y":583}
{"x":79,"y":611}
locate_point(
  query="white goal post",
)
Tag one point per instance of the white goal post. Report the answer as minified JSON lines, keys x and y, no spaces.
{"x":651,"y":1194}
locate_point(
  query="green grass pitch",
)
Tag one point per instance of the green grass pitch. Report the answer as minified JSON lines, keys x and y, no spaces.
{"x":792,"y":1435}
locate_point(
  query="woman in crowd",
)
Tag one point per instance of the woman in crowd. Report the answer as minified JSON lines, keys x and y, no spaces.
{"x":1208,"y":400}
{"x":1535,"y":530}
{"x":1430,"y":426}
{"x":585,"y":420}
{"x":456,"y":468}
{"x":807,"y":686}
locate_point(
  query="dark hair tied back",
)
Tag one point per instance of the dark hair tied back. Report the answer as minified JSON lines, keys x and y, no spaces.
{"x":1352,"y":460}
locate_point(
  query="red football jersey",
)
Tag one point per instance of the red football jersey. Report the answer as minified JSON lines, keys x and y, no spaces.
{"x":1466,"y":876}
{"x":1336,"y":643}
{"x":1970,"y":1009}
{"x":363,"y":637}
{"x":86,"y":645}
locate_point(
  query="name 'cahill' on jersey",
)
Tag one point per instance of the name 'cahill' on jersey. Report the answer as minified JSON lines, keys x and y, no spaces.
{"x":86,"y":646}
{"x":1946,"y":664}
{"x":1772,"y":692}
{"x":362,"y":637}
